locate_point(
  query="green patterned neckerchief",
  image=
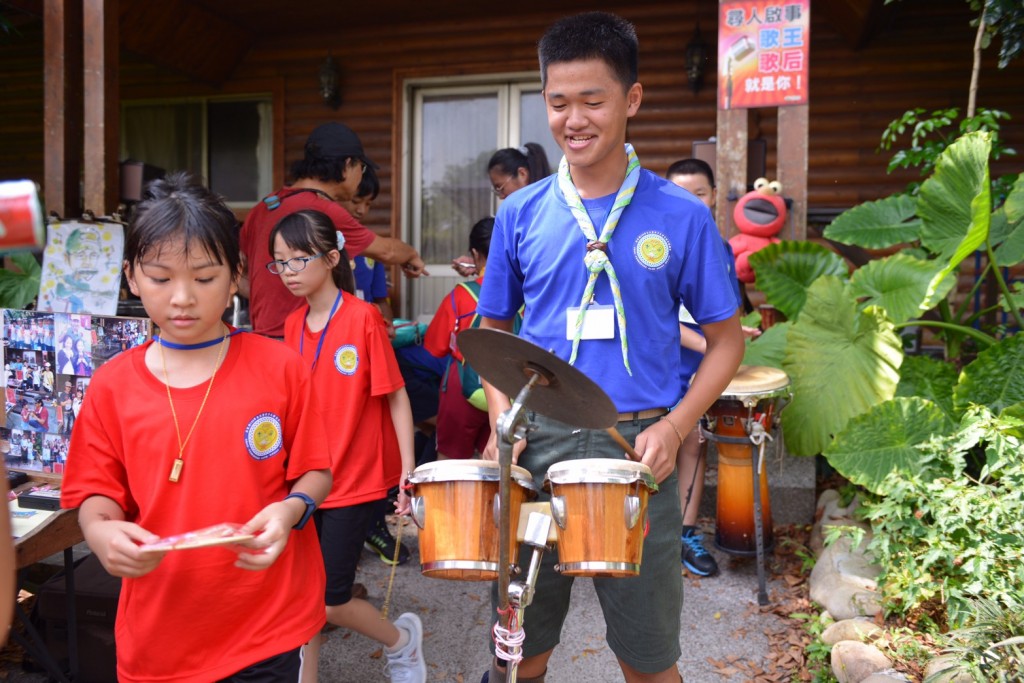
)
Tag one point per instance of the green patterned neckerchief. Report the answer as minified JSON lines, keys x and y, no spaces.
{"x":597,"y":260}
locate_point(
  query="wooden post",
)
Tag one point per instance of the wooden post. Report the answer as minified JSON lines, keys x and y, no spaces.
{"x":62,"y":106}
{"x":792,"y":170}
{"x":730,"y":166}
{"x":101,"y":115}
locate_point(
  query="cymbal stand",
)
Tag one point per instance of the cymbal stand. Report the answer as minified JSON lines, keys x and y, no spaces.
{"x":512,"y":426}
{"x":520,"y":593}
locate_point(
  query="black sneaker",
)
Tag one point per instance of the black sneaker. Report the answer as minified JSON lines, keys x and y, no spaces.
{"x":695,"y":556}
{"x":380,"y":541}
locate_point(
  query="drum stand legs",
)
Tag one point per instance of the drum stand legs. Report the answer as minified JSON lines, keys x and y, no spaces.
{"x":512,"y":426}
{"x":756,"y":461}
{"x":756,"y":440}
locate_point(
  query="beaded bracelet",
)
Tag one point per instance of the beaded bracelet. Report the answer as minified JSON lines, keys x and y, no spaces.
{"x":674,"y":428}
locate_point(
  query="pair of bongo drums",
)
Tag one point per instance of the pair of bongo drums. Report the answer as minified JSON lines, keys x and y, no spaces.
{"x":599,"y":508}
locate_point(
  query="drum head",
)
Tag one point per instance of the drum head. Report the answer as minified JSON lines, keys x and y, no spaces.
{"x":468,"y":470}
{"x":756,"y":381}
{"x":600,"y":471}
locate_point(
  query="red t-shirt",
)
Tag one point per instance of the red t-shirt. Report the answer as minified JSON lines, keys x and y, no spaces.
{"x":355,"y":373}
{"x":197,"y":617}
{"x":270,"y":302}
{"x":437,"y":339}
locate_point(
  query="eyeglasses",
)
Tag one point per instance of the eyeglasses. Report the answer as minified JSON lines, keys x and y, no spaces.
{"x":296,"y":265}
{"x":497,"y":190}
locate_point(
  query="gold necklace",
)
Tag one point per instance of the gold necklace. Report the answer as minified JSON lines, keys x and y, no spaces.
{"x":179,"y":462}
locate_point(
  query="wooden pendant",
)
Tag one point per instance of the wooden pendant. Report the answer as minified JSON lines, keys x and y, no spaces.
{"x":176,"y":469}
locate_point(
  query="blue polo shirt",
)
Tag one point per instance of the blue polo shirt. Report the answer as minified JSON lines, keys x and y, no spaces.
{"x":371,"y":279}
{"x":665,"y":250}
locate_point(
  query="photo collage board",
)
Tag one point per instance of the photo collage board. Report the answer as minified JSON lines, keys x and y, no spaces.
{"x":49,"y":359}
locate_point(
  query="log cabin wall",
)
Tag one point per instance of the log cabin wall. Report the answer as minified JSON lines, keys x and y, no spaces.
{"x":919,"y":57}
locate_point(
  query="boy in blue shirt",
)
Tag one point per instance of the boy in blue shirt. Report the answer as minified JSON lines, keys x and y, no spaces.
{"x":602,"y":219}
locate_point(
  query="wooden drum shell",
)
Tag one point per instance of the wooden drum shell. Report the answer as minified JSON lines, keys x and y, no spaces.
{"x":592,"y":503}
{"x":455,"y":508}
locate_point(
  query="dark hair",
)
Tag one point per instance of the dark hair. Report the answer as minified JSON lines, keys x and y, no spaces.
{"x":180,"y":207}
{"x":592,"y":35}
{"x":530,"y":156}
{"x":327,"y":169}
{"x":692,"y":167}
{"x":314,"y":233}
{"x":480,"y":235}
{"x":369,"y":186}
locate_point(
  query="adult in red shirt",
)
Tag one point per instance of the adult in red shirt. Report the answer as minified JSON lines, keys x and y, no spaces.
{"x":329,"y":172}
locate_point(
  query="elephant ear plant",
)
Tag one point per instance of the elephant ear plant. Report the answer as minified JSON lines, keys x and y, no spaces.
{"x":19,"y":285}
{"x":914,"y":431}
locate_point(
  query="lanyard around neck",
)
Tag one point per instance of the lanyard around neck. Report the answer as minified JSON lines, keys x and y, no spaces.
{"x":323,"y":332}
{"x":596,"y":260}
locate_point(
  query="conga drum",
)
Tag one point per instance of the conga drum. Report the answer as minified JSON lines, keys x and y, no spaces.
{"x":751,"y":397}
{"x":456,"y":507}
{"x":600,"y":507}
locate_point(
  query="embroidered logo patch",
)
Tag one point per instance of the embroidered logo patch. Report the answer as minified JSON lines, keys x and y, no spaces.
{"x":263,"y":436}
{"x":346,"y":359}
{"x":652,"y":250}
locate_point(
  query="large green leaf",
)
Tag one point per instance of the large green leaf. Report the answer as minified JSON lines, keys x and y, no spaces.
{"x":18,"y":289}
{"x":1011,"y":251}
{"x":785,"y":270}
{"x":769,"y":348}
{"x":901,"y":285}
{"x":928,"y":378}
{"x":955,"y":203}
{"x":995,"y":378}
{"x":885,"y":439}
{"x":840,"y":361}
{"x":879,"y":224}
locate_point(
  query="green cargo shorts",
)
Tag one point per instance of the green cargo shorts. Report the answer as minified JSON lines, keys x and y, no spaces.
{"x":642,"y":613}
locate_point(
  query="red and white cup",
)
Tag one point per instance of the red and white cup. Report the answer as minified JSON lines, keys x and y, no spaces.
{"x":21,"y":216}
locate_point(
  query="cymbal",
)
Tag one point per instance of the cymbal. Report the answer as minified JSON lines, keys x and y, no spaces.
{"x":561,"y":392}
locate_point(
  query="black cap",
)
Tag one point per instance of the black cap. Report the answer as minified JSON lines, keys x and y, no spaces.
{"x":336,"y":140}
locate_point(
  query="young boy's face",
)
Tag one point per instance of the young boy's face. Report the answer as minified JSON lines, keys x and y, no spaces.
{"x":357,"y":206}
{"x":698,"y":185}
{"x":587,"y":114}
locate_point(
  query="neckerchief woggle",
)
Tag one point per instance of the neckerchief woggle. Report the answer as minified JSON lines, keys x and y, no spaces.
{"x":596,"y":259}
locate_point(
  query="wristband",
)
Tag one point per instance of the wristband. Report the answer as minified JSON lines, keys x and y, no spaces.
{"x":310,"y":507}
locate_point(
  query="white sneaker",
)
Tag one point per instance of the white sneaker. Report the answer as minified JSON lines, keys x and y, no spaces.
{"x":407,"y":665}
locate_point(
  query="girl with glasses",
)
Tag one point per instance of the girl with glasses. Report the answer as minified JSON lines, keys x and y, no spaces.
{"x":363,"y":401}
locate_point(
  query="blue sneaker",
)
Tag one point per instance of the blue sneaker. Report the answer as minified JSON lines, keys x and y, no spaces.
{"x":695,"y":556}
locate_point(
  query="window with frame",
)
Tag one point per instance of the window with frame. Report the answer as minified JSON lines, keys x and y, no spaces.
{"x":228,"y":142}
{"x":453,"y":128}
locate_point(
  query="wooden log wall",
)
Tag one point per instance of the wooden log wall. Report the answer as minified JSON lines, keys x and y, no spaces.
{"x":920,"y":58}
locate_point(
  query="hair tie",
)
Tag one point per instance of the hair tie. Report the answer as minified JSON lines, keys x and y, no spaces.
{"x":341,"y":239}
{"x":524,"y":150}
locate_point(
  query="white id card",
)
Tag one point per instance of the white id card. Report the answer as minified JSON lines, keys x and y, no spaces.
{"x":599,"y":323}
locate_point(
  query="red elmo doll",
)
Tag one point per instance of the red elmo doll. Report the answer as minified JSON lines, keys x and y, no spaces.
{"x":759,"y":216}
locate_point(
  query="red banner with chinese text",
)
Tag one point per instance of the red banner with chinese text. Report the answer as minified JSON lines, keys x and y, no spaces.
{"x":763,"y":53}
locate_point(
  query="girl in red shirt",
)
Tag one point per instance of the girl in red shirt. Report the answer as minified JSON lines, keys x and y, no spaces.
{"x":198,"y":427}
{"x":362,"y":398}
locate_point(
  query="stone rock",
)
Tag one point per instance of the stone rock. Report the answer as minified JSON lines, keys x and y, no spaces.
{"x":890,"y":676}
{"x":853,"y":662}
{"x":942,"y":662}
{"x":860,"y":630}
{"x":827,"y":496}
{"x":845,"y":583}
{"x":830,"y":513}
